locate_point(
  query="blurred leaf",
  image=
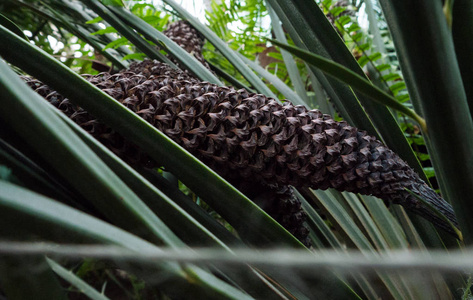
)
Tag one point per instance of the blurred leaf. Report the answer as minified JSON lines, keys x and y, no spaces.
{"x":462,"y":23}
{"x":113,"y":2}
{"x":109,"y":29}
{"x":54,"y":221}
{"x":5,"y":173}
{"x":179,"y":221}
{"x":28,"y":277}
{"x":94,"y":20}
{"x":117,"y":43}
{"x":138,"y":56}
{"x":75,"y":281}
{"x":12,"y":26}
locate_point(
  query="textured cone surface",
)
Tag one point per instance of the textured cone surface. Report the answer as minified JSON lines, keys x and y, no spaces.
{"x":183,"y":34}
{"x":246,"y":135}
{"x":279,"y":201}
{"x":148,"y":67}
{"x":281,"y":204}
{"x":188,"y":38}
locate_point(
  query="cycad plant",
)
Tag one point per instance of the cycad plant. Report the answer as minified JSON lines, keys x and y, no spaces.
{"x":177,"y":177}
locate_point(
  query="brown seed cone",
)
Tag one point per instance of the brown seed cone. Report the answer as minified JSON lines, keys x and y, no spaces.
{"x":282,"y":205}
{"x":237,"y":132}
{"x":149,"y":67}
{"x":279,"y":202}
{"x":183,"y":34}
{"x":270,"y":198}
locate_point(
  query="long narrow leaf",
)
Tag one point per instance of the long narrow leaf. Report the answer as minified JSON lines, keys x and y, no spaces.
{"x":76,"y":281}
{"x":461,"y":32}
{"x":29,"y":278}
{"x":57,"y":143}
{"x":354,"y":80}
{"x":28,"y":214}
{"x":341,"y":95}
{"x":31,"y":175}
{"x":61,"y":21}
{"x":12,"y":26}
{"x":291,"y":65}
{"x":182,"y":223}
{"x":275,"y":81}
{"x":186,"y":203}
{"x":232,"y":80}
{"x":177,"y":219}
{"x":441,"y":99}
{"x":132,"y":36}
